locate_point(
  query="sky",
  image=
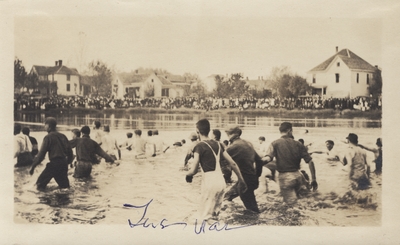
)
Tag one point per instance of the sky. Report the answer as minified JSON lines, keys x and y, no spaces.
{"x":201,"y":43}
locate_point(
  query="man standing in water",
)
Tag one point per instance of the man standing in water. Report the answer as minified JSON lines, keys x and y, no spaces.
{"x":225,"y":166}
{"x":288,"y":154}
{"x":86,"y":150}
{"x":22,"y":148}
{"x":60,"y":155}
{"x":378,"y":155}
{"x":332,"y":155}
{"x":35,"y":150}
{"x":97,"y":133}
{"x":189,"y":153}
{"x":139,"y":145}
{"x":109,"y":144}
{"x":160,"y":144}
{"x":208,"y":154}
{"x":357,"y":158}
{"x":244,"y":154}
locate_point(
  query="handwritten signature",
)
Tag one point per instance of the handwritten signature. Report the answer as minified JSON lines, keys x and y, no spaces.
{"x":198,"y":228}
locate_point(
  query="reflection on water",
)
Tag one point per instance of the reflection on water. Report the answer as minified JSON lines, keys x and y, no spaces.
{"x":164,"y":121}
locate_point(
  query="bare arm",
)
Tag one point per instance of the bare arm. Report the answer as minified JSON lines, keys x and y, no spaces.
{"x":196,"y":162}
{"x":312,"y":170}
{"x":367,"y":148}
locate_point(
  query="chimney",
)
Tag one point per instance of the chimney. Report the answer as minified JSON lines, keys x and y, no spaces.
{"x":59,"y":62}
{"x":56,"y":62}
{"x":337,"y":49}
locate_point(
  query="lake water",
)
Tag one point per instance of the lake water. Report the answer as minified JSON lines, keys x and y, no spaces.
{"x":165,"y":121}
{"x":160,"y":183}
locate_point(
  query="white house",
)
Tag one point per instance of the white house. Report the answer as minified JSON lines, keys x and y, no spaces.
{"x":66,"y":79}
{"x":135,"y":85}
{"x":343,"y":75}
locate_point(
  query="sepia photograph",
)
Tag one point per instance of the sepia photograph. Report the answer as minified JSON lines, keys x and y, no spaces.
{"x":173,"y":122}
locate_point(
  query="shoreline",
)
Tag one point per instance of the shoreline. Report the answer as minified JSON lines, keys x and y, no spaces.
{"x":281,"y":112}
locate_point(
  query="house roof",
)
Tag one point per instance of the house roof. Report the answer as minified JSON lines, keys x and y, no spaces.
{"x":48,"y":70}
{"x":353,"y":61}
{"x":165,"y":82}
{"x":132,"y":79}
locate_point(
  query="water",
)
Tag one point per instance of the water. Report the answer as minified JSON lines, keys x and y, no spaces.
{"x":160,"y":183}
{"x":165,"y":121}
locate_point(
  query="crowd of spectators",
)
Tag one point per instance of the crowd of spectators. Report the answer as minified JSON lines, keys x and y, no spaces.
{"x":207,"y":103}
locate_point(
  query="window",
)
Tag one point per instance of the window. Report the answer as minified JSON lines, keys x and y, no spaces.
{"x":324,"y":91}
{"x":367,"y":78}
{"x":165,"y":92}
{"x":337,"y":77}
{"x":68,"y":87}
{"x":358,"y":77}
{"x":338,"y":64}
{"x":68,"y":77}
{"x":314,"y":79}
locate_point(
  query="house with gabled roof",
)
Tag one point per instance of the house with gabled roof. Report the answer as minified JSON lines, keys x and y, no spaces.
{"x":136,"y":85}
{"x":67,"y":80}
{"x":343,"y":75}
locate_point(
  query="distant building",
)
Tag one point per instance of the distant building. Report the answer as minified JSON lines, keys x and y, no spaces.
{"x":61,"y":79}
{"x":135,"y":85}
{"x":343,"y":75}
{"x":86,"y":87}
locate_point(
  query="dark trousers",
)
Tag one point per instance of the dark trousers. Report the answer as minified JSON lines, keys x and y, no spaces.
{"x":24,"y":159}
{"x":248,"y":198}
{"x":82,"y":169}
{"x":57,"y":169}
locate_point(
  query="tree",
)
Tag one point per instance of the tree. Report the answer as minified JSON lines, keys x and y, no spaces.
{"x":190,"y":79}
{"x":101,"y":78}
{"x":32,"y":81}
{"x":287,"y":84}
{"x":20,"y":74}
{"x":276,"y":76}
{"x":198,"y":89}
{"x":234,"y":86}
{"x":376,"y":86}
{"x":298,"y":86}
{"x":239,"y":86}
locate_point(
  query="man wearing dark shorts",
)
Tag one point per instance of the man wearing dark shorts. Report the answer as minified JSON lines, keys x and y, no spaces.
{"x":288,"y":154}
{"x":60,"y":155}
{"x":86,"y":150}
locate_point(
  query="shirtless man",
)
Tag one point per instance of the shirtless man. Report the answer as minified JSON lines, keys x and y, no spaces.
{"x":378,"y":155}
{"x":356,"y":157}
{"x":109,"y":144}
